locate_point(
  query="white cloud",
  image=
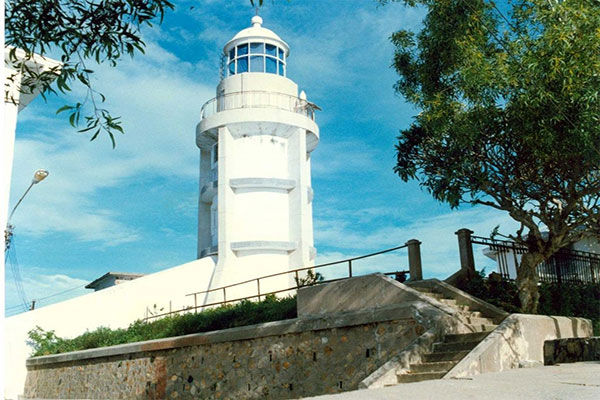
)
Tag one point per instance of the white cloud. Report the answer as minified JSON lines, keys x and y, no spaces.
{"x":439,"y":249}
{"x":159,"y":99}
{"x":44,"y":288}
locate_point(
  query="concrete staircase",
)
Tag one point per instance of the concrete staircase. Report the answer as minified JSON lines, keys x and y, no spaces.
{"x":445,"y":355}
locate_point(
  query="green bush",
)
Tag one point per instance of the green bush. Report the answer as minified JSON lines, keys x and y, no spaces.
{"x":228,"y":316}
{"x":569,"y":300}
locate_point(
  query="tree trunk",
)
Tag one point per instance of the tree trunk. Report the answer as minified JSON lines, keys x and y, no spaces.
{"x":527,"y":280}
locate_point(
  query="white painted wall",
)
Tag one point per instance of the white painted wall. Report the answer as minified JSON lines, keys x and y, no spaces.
{"x":113,"y":307}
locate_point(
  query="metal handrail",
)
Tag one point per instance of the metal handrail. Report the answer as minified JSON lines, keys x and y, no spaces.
{"x":257,"y":280}
{"x":258,"y":99}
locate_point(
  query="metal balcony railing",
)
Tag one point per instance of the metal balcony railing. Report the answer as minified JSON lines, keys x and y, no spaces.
{"x":258,"y":99}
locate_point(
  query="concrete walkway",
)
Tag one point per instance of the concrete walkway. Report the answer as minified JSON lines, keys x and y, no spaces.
{"x":579,"y":381}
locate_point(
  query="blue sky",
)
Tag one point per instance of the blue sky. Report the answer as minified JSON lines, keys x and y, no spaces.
{"x":133,"y":209}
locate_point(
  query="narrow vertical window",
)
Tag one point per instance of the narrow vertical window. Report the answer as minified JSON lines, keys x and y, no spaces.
{"x":257,"y":64}
{"x":257,"y":48}
{"x":271,"y":50}
{"x":271,"y":65}
{"x":242,"y":49}
{"x":242,"y":65}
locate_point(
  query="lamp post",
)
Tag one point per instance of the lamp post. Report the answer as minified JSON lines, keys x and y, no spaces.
{"x":38,"y":176}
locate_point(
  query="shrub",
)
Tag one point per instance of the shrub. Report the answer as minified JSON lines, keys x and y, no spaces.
{"x":569,"y":300}
{"x":227,"y":316}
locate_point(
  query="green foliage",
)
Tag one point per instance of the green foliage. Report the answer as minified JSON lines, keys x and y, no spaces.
{"x":509,"y":115}
{"x":569,"y":300}
{"x":82,"y":32}
{"x":311,"y":278}
{"x":224,"y":317}
{"x":501,"y":293}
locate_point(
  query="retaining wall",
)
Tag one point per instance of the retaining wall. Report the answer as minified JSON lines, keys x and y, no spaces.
{"x":285,"y":359}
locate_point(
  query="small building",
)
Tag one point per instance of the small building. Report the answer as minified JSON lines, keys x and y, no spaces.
{"x":112,"y":279}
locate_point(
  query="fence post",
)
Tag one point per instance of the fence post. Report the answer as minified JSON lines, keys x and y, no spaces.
{"x":414,"y":260}
{"x":465,"y":249}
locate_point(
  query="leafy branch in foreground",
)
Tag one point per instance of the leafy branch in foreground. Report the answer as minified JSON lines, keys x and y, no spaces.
{"x":80,"y":31}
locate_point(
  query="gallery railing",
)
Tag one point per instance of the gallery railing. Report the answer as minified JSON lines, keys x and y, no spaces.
{"x":258,"y":99}
{"x":300,"y":279}
{"x":565,"y":266}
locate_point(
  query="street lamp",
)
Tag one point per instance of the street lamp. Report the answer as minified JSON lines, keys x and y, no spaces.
{"x":38,"y":176}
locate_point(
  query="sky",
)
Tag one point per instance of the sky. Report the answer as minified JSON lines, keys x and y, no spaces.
{"x":134,"y":208}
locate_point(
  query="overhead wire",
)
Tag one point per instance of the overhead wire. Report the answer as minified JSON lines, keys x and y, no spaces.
{"x":11,"y":257}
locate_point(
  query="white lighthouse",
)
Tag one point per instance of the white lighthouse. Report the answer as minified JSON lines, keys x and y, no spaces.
{"x":255,"y":139}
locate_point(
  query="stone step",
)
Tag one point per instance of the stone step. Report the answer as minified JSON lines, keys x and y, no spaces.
{"x":440,"y":366}
{"x":422,"y":289}
{"x":450,"y":302}
{"x":473,"y":314}
{"x":421,"y":376}
{"x":456,"y":346}
{"x":465,"y":337}
{"x":482,"y":328}
{"x":477,"y":321}
{"x":437,"y":296}
{"x":447,"y":356}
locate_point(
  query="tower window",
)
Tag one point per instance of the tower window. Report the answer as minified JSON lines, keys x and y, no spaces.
{"x":271,"y":50}
{"x":271,"y":65}
{"x":257,"y":64}
{"x":256,"y":57}
{"x":215,"y":155}
{"x":242,"y":65}
{"x":242,"y":49}
{"x":257,"y":48}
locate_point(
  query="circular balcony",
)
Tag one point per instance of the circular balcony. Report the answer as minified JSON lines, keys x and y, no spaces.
{"x":259,"y":99}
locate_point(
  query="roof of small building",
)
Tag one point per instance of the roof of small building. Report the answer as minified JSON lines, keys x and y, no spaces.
{"x":116,"y":275}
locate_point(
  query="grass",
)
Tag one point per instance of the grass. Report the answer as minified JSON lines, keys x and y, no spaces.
{"x":228,"y":316}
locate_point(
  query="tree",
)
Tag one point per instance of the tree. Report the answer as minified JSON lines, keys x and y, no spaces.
{"x":83,"y":32}
{"x":509,"y":116}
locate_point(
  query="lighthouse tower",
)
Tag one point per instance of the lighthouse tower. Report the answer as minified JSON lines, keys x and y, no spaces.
{"x":255,"y":139}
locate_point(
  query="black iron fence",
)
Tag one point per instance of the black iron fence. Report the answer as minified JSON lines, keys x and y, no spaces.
{"x":565,"y":266}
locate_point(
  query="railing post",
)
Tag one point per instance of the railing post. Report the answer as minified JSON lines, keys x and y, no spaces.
{"x":414,"y":260}
{"x":258,"y":287}
{"x":224,"y":296}
{"x":465,"y":249}
{"x":349,"y":268}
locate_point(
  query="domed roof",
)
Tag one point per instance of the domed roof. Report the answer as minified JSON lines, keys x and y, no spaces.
{"x":256,"y":31}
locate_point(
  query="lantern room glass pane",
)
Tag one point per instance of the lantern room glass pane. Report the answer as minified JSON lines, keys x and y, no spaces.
{"x":271,"y":50}
{"x":232,"y":68}
{"x":232,"y":54}
{"x":280,"y":53}
{"x":271,"y":65}
{"x":257,"y":48}
{"x":242,"y":49}
{"x":257,"y":64}
{"x":242,"y":65}
{"x":281,"y":72}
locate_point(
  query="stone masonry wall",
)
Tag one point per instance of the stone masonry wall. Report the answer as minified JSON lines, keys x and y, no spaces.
{"x":301,"y":359}
{"x":571,"y":350}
